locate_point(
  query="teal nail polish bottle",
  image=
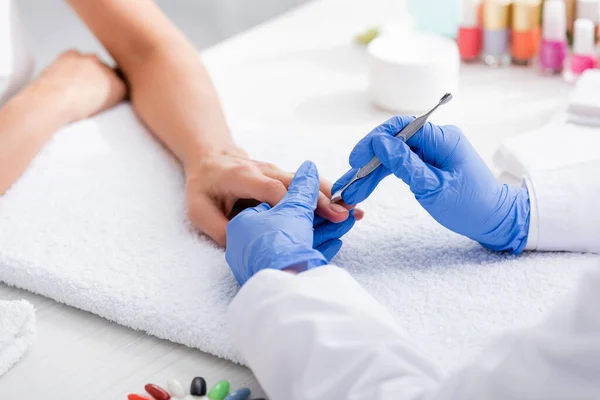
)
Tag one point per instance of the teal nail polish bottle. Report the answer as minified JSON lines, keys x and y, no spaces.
{"x":436,"y":16}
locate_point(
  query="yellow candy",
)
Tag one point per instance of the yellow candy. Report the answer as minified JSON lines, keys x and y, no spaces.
{"x":366,"y":37}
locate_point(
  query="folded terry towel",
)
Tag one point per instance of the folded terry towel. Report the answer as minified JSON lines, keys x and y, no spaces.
{"x":557,"y":145}
{"x":99,"y":222}
{"x":17,"y":331}
{"x":570,"y":138}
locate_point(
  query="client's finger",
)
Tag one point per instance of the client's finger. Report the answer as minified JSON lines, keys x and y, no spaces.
{"x":332,"y":212}
{"x":250,"y":183}
{"x":208,"y":219}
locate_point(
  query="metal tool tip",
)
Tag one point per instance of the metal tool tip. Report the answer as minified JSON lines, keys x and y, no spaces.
{"x":337,"y":196}
{"x":446,"y":98}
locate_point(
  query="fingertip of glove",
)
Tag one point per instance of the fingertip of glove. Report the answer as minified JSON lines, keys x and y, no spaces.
{"x":308,"y":168}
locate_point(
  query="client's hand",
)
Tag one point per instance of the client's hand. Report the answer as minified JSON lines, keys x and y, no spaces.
{"x":280,"y":237}
{"x":221,"y":185}
{"x":448,"y":178}
{"x":89,"y":85}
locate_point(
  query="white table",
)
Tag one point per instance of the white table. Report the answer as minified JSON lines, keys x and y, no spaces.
{"x":298,"y":74}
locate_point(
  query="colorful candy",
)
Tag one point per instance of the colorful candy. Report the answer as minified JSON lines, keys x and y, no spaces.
{"x":137,"y":397}
{"x":157,"y":392}
{"x":175,"y":388}
{"x":219,"y":391}
{"x":240,"y":394}
{"x":198,"y":386}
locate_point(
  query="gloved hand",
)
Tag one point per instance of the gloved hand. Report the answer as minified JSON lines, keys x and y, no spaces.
{"x":448,"y":178}
{"x":327,"y":234}
{"x":280,"y":237}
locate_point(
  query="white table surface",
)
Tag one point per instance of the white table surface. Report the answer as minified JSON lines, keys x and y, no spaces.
{"x":298,"y":73}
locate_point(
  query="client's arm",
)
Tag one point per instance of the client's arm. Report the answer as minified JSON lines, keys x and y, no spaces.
{"x":74,"y":87}
{"x":172,"y":93}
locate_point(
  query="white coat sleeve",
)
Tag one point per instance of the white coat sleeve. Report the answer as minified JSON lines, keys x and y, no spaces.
{"x":319,"y":335}
{"x":565,"y":209}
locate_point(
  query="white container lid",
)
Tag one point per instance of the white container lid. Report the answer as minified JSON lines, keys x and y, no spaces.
{"x":585,"y":35}
{"x":555,"y":20}
{"x":409,"y":74}
{"x":588,"y":9}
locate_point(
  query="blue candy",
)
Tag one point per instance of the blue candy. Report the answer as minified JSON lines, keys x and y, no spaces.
{"x":240,"y":394}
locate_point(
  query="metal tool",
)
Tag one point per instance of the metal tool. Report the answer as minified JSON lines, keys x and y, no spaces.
{"x":405,"y":134}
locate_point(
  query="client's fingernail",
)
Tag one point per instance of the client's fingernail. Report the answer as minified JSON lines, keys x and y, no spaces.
{"x":338,"y":208}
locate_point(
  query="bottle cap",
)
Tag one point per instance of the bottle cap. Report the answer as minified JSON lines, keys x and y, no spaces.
{"x":555,"y":20}
{"x":496,"y":14}
{"x":470,"y":13}
{"x":588,"y":9}
{"x":585,"y":32}
{"x":570,"y":5}
{"x":526,"y":15}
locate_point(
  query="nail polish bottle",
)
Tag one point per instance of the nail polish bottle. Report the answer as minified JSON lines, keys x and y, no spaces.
{"x":553,"y":49}
{"x":570,"y":6}
{"x":496,"y":33}
{"x":589,"y":9}
{"x":526,"y":31}
{"x":584,"y":52}
{"x":441,"y":17}
{"x":469,"y":32}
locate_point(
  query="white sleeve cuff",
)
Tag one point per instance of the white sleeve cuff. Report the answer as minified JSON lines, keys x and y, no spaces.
{"x":564,"y":209}
{"x":533,"y":235}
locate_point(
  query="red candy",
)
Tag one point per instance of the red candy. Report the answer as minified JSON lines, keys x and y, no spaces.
{"x":137,"y":397}
{"x":157,"y":392}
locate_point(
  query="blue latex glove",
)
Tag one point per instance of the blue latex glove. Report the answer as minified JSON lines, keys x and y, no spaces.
{"x":328,"y":234}
{"x":280,"y":237}
{"x":448,"y":178}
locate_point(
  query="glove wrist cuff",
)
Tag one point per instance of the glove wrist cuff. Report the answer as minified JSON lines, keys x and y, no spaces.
{"x":515,"y":226}
{"x":308,"y":258}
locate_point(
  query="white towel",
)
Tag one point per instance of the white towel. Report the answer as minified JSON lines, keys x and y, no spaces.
{"x":99,"y":222}
{"x":557,"y":145}
{"x":571,"y":138}
{"x":17,"y":331}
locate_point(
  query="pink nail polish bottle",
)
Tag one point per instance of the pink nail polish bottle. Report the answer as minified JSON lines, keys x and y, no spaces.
{"x":553,"y":49}
{"x":584,"y":52}
{"x":589,"y":9}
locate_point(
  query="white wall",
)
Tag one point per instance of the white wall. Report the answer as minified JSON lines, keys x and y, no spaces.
{"x":53,"y":27}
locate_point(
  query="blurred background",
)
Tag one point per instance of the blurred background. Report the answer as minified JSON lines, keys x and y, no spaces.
{"x":53,"y":27}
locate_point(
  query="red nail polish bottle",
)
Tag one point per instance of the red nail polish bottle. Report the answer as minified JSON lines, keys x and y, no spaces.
{"x":469,"y":32}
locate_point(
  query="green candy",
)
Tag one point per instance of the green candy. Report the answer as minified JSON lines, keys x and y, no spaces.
{"x":367,"y":36}
{"x":219,"y":391}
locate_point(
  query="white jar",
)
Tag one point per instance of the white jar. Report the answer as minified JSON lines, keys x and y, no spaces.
{"x":409,"y":74}
{"x":16,"y":61}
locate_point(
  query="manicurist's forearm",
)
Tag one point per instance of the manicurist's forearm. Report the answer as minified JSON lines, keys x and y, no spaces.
{"x":27,"y":122}
{"x":319,"y":335}
{"x":564,"y":211}
{"x":170,"y":89}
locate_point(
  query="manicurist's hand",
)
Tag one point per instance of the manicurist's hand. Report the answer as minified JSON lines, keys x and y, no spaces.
{"x":448,"y":178}
{"x":217,"y":182}
{"x":282,"y":237}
